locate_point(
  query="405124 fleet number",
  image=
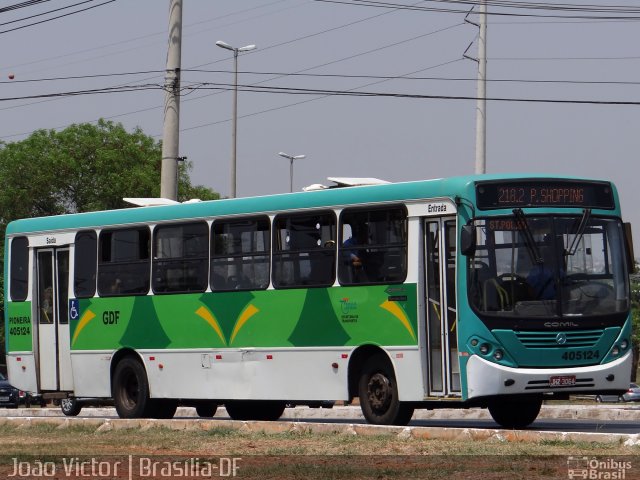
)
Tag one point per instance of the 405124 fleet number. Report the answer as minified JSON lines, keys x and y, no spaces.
{"x":581,"y":355}
{"x":22,"y":330}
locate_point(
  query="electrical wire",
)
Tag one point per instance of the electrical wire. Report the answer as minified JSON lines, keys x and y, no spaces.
{"x":445,"y":79}
{"x":57,"y":17}
{"x":398,"y":6}
{"x":351,"y":93}
{"x":276,"y":75}
{"x":17,"y":6}
{"x":45,"y":13}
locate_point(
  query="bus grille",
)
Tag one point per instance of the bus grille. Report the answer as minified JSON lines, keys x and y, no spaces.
{"x":583,"y":338}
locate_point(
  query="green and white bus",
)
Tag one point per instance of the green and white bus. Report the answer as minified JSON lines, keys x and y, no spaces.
{"x":487,"y":291}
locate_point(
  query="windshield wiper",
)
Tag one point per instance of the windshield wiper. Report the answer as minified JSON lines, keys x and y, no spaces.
{"x":586,"y":215}
{"x":521,"y":221}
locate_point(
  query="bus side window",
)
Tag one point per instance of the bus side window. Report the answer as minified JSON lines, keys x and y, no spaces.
{"x":124,"y":262}
{"x":19,"y":286}
{"x":86,"y":258}
{"x":180,"y":257}
{"x":373,"y":245}
{"x":304,"y":252}
{"x":240,"y":254}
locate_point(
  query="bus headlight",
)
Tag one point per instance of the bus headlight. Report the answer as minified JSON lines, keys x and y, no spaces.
{"x":624,"y":344}
{"x":498,"y":354}
{"x":485,"y":348}
{"x":615,"y":351}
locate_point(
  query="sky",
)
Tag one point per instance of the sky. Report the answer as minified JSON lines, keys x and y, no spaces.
{"x":346,"y":46}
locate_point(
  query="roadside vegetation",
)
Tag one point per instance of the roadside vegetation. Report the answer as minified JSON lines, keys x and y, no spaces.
{"x":308,"y":455}
{"x":219,"y":439}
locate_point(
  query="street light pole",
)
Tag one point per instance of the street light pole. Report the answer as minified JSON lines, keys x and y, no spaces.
{"x":291,"y":159}
{"x":234,"y":128}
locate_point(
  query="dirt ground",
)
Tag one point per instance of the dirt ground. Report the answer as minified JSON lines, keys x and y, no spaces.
{"x":222,"y":452}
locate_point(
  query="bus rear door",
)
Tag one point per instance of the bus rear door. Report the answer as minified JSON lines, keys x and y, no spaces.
{"x":51,"y":303}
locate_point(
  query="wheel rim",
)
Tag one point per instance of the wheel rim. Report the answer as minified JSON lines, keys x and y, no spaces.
{"x":379,"y":392}
{"x":67,"y":404}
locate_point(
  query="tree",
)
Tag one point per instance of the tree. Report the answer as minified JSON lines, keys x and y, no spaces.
{"x":82,"y":168}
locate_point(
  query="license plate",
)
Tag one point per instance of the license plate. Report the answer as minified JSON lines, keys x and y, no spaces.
{"x":4,"y":399}
{"x":562,"y":381}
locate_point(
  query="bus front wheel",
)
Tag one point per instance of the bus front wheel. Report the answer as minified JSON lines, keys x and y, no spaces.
{"x":515,"y":412}
{"x":131,"y":389}
{"x":378,"y":392}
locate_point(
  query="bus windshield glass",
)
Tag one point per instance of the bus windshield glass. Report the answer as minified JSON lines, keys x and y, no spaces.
{"x":548,"y":266}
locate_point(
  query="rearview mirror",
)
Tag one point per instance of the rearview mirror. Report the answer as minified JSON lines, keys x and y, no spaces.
{"x":628,"y":237}
{"x":468,"y":240}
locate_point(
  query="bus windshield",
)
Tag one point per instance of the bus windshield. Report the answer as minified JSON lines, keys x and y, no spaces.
{"x":548,"y":266}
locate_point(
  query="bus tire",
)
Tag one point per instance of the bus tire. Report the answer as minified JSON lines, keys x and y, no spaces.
{"x":206,"y":409}
{"x":265,"y":410}
{"x":131,"y":389}
{"x":515,"y":413}
{"x":378,"y":392}
{"x":70,"y":406}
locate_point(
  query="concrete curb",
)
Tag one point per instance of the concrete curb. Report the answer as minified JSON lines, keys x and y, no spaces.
{"x":92,"y":419}
{"x":629,"y":412}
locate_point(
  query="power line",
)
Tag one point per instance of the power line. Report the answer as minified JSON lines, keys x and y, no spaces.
{"x":351,"y":93}
{"x":310,"y":91}
{"x":398,"y":6}
{"x":278,"y":45}
{"x":355,"y":76}
{"x":93,"y":91}
{"x":45,"y":13}
{"x":82,"y":77}
{"x":322,"y":93}
{"x":446,"y":79}
{"x":155,"y":34}
{"x":57,"y":17}
{"x":17,"y":6}
{"x":543,"y":5}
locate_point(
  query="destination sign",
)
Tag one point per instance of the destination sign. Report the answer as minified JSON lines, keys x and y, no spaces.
{"x":544,"y":193}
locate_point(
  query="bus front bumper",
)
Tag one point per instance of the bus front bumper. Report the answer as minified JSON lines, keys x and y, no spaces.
{"x":487,"y":379}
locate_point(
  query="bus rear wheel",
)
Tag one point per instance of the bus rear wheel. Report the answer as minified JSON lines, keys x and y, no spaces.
{"x":266,"y":410}
{"x":515,"y":412}
{"x":378,"y":392}
{"x":131,"y":389}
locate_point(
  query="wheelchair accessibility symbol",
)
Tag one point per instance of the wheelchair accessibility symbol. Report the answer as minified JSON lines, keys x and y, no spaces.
{"x":74,"y":309}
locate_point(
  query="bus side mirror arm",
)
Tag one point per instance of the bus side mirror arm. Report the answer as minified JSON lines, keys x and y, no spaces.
{"x":468,"y":240}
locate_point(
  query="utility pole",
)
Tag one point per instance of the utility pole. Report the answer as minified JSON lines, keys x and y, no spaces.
{"x":171,"y":130}
{"x":481,"y":108}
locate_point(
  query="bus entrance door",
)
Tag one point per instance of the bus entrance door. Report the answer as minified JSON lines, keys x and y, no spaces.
{"x":443,"y":371}
{"x":52,"y":317}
